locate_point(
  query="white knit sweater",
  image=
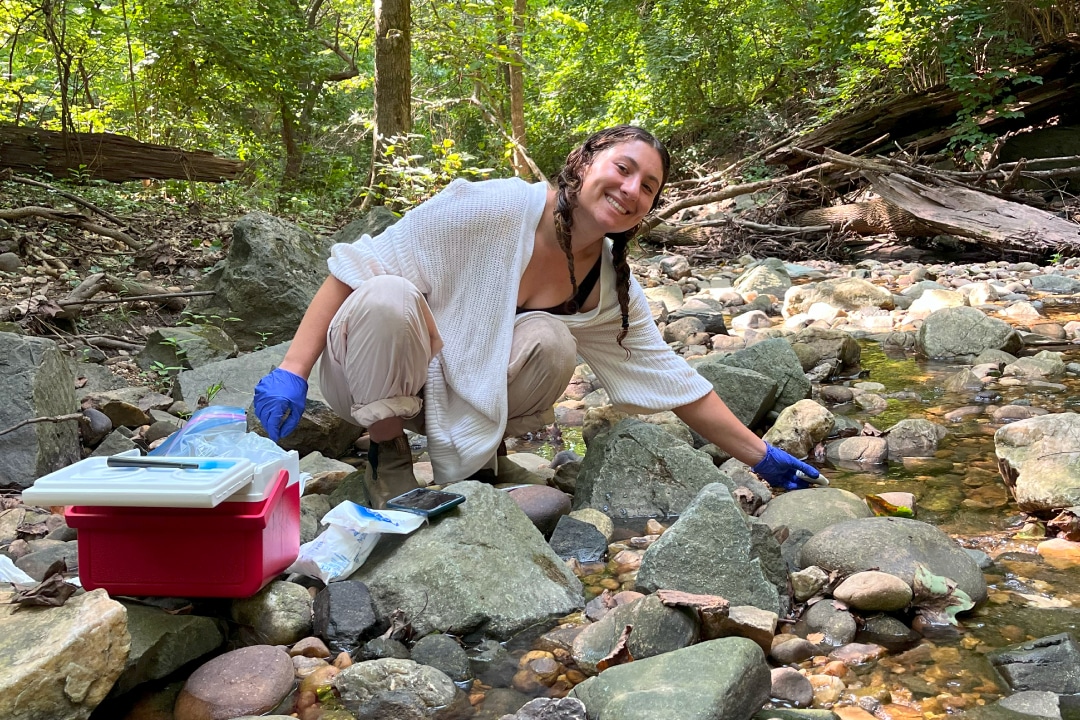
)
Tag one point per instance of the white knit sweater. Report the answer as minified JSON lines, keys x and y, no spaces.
{"x":465,"y":249}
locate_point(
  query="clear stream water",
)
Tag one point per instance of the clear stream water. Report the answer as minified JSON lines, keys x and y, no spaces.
{"x":960,"y":491}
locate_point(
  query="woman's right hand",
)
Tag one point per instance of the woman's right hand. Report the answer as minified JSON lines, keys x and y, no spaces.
{"x":280,"y":398}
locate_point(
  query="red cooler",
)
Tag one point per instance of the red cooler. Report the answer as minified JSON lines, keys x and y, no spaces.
{"x":222,"y":529}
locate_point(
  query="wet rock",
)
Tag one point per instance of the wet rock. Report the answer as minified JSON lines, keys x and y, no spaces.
{"x":576,"y":539}
{"x":401,"y":683}
{"x":815,"y":345}
{"x":1042,"y":452}
{"x":443,"y":652}
{"x":162,"y":643}
{"x":714,"y":549}
{"x":963,"y":381}
{"x":597,"y":519}
{"x":746,"y":621}
{"x":791,"y":686}
{"x":874,"y":591}
{"x":859,"y":450}
{"x":914,"y":438}
{"x":800,"y":427}
{"x":431,"y":574}
{"x":311,"y":647}
{"x":814,"y":509}
{"x":896,"y":546}
{"x":637,"y":470}
{"x":36,"y":381}
{"x":1051,"y":663}
{"x":384,"y":648}
{"x":549,"y":709}
{"x":838,"y":626}
{"x":888,"y":632}
{"x":656,"y":629}
{"x":279,"y":614}
{"x":543,"y":505}
{"x":793,"y":650}
{"x":343,"y":615}
{"x":248,"y":681}
{"x":965,"y":331}
{"x":1040,"y":703}
{"x":60,"y":663}
{"x":725,"y":678}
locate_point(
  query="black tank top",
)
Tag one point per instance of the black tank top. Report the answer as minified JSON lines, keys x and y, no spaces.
{"x":573,"y":305}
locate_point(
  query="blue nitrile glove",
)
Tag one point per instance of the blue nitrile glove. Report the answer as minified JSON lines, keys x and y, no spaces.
{"x":779,"y":469}
{"x":279,"y":393}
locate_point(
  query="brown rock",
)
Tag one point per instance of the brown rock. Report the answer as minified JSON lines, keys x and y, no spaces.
{"x":311,"y":647}
{"x":248,"y":681}
{"x":543,"y":505}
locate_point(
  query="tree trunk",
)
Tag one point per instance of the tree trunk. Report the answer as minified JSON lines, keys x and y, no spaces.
{"x":393,"y":72}
{"x":116,"y":158}
{"x":517,"y":90}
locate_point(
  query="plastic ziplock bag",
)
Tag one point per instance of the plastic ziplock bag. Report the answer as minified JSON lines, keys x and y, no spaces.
{"x":10,"y":573}
{"x":351,"y":535}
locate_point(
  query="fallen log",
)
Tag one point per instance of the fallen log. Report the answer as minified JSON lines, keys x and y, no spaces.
{"x":106,"y":156}
{"x":872,"y":217}
{"x":979,"y":217}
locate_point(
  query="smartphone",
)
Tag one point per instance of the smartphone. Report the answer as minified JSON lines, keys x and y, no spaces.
{"x":425,"y":502}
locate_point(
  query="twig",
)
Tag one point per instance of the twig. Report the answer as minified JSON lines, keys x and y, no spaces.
{"x":55,"y":419}
{"x":70,"y":218}
{"x":6,"y":174}
{"x":729,"y":192}
{"x":133,"y":298}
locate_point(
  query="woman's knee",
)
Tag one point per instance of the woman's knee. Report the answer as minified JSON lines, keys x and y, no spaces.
{"x":544,"y":345}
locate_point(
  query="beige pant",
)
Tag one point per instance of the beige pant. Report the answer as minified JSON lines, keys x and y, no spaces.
{"x":383,"y":337}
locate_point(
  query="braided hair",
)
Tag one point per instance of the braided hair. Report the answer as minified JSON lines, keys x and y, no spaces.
{"x":566,"y":200}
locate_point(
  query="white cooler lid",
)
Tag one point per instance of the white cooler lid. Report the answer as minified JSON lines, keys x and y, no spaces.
{"x":93,"y":482}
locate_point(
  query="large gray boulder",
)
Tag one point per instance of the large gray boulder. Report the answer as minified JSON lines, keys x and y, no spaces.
{"x":636,"y":469}
{"x":747,"y":393}
{"x":483,"y":567}
{"x":895,"y":546}
{"x":963,"y":331}
{"x":769,"y":277}
{"x":1055,"y":284}
{"x":715,"y":549}
{"x":814,"y":509}
{"x":1049,"y":663}
{"x":233,"y":382}
{"x":1040,"y":457}
{"x":776,"y":359}
{"x":35,"y":381}
{"x":271,"y":273}
{"x":60,"y":663}
{"x":726,"y":678}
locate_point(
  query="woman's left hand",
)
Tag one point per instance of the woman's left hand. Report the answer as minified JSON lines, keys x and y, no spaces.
{"x":781,"y":470}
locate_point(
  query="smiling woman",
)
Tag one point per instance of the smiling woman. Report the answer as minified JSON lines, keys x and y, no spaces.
{"x":465,"y":319}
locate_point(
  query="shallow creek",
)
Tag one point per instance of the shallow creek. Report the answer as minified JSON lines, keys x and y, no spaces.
{"x":960,"y":491}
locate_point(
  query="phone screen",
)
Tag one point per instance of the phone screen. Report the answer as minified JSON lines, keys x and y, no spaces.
{"x":424,"y":500}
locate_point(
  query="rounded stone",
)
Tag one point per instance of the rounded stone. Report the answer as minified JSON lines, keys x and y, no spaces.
{"x":789,"y":685}
{"x":443,"y":652}
{"x":279,"y":614}
{"x":248,"y":681}
{"x":874,"y":590}
{"x":543,"y":505}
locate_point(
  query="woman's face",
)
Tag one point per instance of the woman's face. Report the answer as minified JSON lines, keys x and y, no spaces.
{"x":619,"y":187}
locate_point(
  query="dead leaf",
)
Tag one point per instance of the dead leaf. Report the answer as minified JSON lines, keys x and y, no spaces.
{"x":884,"y":508}
{"x":816,"y":638}
{"x":53,"y":591}
{"x":32,"y":531}
{"x":80,"y":383}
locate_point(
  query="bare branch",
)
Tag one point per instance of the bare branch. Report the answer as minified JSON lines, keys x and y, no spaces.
{"x":55,"y":419}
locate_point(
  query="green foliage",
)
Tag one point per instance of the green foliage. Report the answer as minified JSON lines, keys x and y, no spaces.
{"x":287,"y":86}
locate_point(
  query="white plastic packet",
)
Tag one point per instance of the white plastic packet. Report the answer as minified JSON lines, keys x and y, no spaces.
{"x":10,"y":573}
{"x":351,"y":536}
